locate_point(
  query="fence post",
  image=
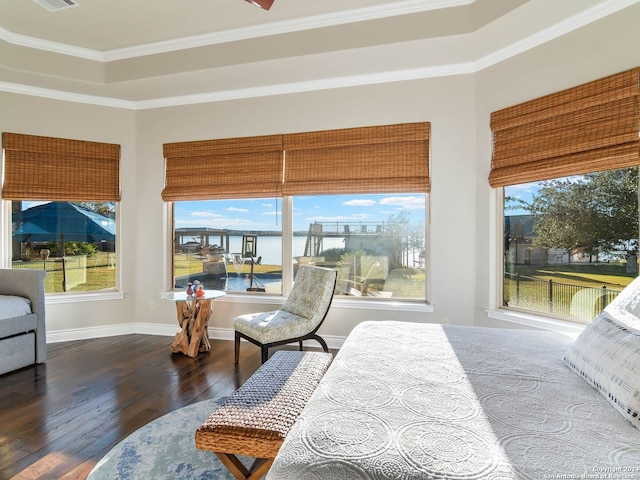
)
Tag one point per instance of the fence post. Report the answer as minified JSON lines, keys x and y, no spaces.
{"x":518,"y":288}
{"x":605,"y":297}
{"x":550,"y":296}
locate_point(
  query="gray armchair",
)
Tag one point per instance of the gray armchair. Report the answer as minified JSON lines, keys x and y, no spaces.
{"x":299,"y":318}
{"x":23,"y":340}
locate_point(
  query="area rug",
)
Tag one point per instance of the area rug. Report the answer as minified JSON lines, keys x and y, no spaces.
{"x":165,"y":449}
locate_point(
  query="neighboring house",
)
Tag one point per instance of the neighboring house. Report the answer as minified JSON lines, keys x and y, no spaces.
{"x":519,"y":245}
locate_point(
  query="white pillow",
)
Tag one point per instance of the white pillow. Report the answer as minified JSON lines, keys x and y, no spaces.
{"x":607,"y":355}
{"x":628,"y":299}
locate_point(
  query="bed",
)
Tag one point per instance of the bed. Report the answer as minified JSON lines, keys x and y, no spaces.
{"x":420,"y":401}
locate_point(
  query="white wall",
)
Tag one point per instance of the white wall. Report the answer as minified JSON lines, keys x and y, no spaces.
{"x":462,"y":206}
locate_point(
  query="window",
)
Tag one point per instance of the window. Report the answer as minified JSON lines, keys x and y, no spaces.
{"x":64,"y":196}
{"x":340,"y":208}
{"x":568,"y":165}
{"x":570,"y":244}
{"x":208,"y":240}
{"x":376,"y":242}
{"x":75,"y":243}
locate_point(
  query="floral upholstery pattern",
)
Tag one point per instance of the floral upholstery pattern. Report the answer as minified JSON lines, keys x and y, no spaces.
{"x":301,"y":313}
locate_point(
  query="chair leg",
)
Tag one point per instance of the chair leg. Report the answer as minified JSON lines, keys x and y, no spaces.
{"x":237,"y":347}
{"x":300,"y":345}
{"x":265,"y":353}
{"x":321,"y":341}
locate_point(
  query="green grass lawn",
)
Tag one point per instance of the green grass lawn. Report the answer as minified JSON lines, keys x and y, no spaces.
{"x":578,"y":291}
{"x":100,"y":273}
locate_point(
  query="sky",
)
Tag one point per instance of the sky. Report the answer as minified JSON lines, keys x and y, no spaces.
{"x":265,"y":214}
{"x":523,"y":192}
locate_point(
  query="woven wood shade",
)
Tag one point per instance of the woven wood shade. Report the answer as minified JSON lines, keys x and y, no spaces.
{"x":381,"y":159}
{"x":249,"y":167}
{"x":58,"y":169}
{"x":590,"y":128}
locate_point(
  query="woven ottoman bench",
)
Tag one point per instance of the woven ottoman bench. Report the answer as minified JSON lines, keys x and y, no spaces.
{"x":255,"y":419}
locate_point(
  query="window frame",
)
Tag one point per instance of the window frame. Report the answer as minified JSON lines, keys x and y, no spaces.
{"x":68,"y":297}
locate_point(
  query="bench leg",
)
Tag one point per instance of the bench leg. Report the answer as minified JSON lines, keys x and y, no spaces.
{"x":234,"y":465}
{"x":259,"y":468}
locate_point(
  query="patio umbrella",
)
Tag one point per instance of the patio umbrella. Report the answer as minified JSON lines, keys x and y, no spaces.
{"x":62,"y":221}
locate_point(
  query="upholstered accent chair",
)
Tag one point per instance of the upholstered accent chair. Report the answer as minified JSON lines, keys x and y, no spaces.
{"x":299,"y":318}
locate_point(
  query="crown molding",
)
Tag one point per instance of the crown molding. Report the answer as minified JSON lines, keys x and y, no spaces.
{"x":49,"y":46}
{"x":66,"y":96}
{"x":404,"y":7}
{"x":310,"y":86}
{"x":568,"y":25}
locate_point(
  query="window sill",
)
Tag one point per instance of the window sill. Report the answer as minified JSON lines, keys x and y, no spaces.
{"x":536,"y":321}
{"x":382,"y":305}
{"x":339,"y":302}
{"x":51,"y":299}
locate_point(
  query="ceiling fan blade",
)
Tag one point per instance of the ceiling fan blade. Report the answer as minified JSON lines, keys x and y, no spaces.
{"x":264,"y":4}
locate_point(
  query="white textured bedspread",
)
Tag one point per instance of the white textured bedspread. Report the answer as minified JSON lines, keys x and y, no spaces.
{"x":420,"y":401}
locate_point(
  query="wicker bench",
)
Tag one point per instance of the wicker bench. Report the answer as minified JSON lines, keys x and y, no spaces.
{"x":254,"y":421}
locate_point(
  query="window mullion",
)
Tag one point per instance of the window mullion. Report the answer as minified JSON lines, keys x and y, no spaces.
{"x":287,"y":245}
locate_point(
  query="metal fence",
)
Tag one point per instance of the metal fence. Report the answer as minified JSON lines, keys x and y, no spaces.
{"x":556,"y":297}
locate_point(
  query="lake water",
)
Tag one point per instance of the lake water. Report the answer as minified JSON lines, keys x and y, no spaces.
{"x":270,"y":247}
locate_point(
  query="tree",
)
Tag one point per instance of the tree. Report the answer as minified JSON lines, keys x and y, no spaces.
{"x":403,"y":237}
{"x":106,"y":209}
{"x":594,"y":212}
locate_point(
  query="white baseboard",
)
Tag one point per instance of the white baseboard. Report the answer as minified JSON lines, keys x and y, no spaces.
{"x":57,"y":336}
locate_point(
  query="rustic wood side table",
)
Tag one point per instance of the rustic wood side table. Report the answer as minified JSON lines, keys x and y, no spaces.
{"x":193,"y":317}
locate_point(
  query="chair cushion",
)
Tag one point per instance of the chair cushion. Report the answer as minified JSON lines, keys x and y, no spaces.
{"x":311,"y":295}
{"x":273,"y":326}
{"x":14,"y":306}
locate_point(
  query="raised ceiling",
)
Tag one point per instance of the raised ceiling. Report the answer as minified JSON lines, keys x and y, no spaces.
{"x":153,"y":53}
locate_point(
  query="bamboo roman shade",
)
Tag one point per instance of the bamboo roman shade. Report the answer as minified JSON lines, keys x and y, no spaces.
{"x":58,"y":169}
{"x":589,"y":128}
{"x":380,"y":159}
{"x":248,"y":167}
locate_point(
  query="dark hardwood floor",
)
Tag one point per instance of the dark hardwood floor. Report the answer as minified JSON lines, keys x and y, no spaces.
{"x":58,"y":419}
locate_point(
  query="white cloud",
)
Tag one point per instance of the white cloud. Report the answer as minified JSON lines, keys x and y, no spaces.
{"x":407,"y":203}
{"x":236,"y":209}
{"x":362,"y":202}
